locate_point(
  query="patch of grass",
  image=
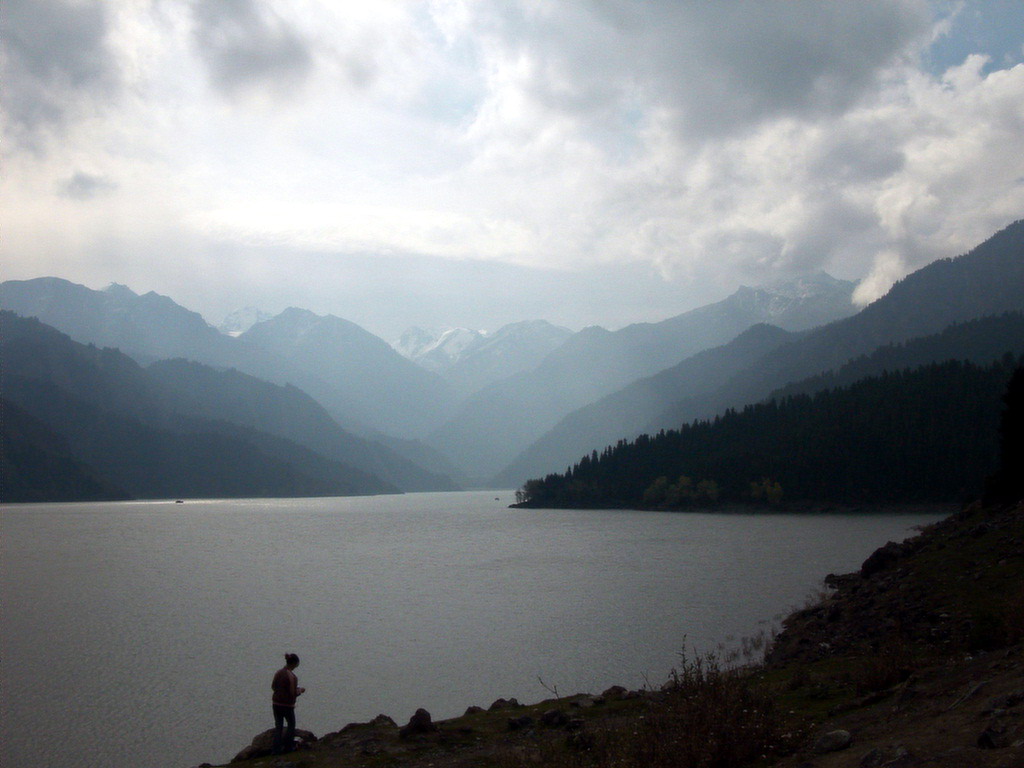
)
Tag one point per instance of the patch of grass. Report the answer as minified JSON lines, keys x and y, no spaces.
{"x":708,"y":716}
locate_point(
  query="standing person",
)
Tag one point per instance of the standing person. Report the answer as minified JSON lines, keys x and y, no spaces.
{"x":286,"y":691}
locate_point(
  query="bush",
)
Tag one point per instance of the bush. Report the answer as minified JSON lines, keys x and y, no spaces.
{"x":710,"y":717}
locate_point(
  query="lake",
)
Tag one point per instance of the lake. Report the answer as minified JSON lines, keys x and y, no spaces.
{"x":145,"y":634}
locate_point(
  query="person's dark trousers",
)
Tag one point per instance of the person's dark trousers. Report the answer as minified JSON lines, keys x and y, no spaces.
{"x":282,"y":715}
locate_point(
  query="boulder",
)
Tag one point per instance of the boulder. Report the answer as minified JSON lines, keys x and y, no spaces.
{"x":993,"y":737}
{"x":263,"y":744}
{"x":554,"y":718}
{"x":418,"y":724}
{"x":474,"y":710}
{"x":887,"y":757}
{"x":615,"y":693}
{"x":881,"y":558}
{"x":519,"y":723}
{"x":833,"y":741}
{"x":503,"y":704}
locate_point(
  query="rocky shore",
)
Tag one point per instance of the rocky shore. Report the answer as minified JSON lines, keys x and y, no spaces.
{"x":914,"y":660}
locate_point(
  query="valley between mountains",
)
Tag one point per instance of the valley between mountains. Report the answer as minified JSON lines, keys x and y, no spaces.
{"x":114,"y":394}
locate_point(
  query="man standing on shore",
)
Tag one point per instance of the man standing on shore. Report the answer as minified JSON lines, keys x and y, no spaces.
{"x":286,"y":691}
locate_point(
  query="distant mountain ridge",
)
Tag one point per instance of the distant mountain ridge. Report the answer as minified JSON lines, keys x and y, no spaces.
{"x":627,"y":412}
{"x":493,"y":426}
{"x":986,"y":281}
{"x":288,"y":412}
{"x":639,"y":408}
{"x":241,"y":320}
{"x":357,"y":376}
{"x":151,"y":328}
{"x":366,"y":385}
{"x":37,"y":464}
{"x":147,"y":327}
{"x":471,"y":359}
{"x":118,"y":420}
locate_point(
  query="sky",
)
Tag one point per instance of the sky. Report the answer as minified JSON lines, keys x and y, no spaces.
{"x":457,"y":163}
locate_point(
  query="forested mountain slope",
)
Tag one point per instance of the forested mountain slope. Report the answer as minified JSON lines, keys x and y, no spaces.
{"x":359,"y":378}
{"x":908,"y":436}
{"x":626,"y":413}
{"x":989,"y":280}
{"x":114,"y":418}
{"x":495,"y":425}
{"x":285,"y":411}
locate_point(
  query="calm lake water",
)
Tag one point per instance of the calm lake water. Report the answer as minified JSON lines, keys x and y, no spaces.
{"x":145,"y":634}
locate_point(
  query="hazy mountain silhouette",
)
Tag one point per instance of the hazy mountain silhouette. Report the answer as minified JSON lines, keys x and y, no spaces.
{"x":116,"y":418}
{"x":357,"y":376}
{"x":37,"y":464}
{"x":285,"y":411}
{"x":980,"y":342}
{"x":147,"y":327}
{"x":241,"y":320}
{"x":626,"y":412}
{"x":988,"y":280}
{"x":471,"y":360}
{"x":363,"y":383}
{"x":496,"y":424}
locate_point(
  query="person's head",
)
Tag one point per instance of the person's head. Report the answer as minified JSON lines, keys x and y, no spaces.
{"x":291,"y":660}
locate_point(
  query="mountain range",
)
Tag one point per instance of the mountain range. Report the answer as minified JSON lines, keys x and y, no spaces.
{"x":471,"y":360}
{"x":989,"y":280}
{"x":465,"y":407}
{"x":359,"y":378}
{"x":134,"y":430}
{"x":493,"y":426}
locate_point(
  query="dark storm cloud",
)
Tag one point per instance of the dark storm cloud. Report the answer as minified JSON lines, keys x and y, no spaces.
{"x":717,"y":67}
{"x":85,"y":186}
{"x":55,"y":62}
{"x":751,"y":61}
{"x":246,"y":46}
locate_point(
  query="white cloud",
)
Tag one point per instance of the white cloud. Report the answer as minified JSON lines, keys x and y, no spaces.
{"x":716,"y":142}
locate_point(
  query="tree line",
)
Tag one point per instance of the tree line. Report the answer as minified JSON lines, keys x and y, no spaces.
{"x":929,"y":434}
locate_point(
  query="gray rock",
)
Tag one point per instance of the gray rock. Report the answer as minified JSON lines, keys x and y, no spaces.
{"x":833,"y":741}
{"x":519,"y":723}
{"x":887,"y":757}
{"x":382,"y":721}
{"x":503,"y":704}
{"x":554,"y":718}
{"x":263,"y":743}
{"x":881,"y":558}
{"x":474,"y":710}
{"x":993,"y":737}
{"x":615,"y":692}
{"x":420,"y":723}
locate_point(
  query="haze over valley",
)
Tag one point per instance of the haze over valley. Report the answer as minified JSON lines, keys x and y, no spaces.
{"x":305,"y":404}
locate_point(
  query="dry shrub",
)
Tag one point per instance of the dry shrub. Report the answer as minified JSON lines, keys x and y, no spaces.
{"x":890,"y":664}
{"x":710,"y":717}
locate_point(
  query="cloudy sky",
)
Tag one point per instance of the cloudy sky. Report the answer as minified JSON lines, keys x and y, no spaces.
{"x":473,"y":163}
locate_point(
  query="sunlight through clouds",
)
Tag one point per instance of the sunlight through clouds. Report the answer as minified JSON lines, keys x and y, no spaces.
{"x":713,"y":143}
